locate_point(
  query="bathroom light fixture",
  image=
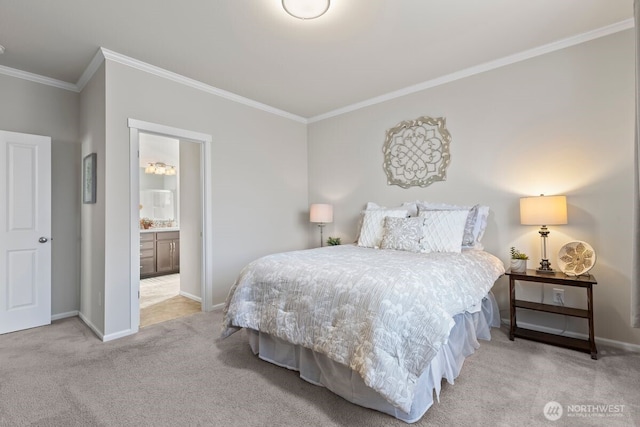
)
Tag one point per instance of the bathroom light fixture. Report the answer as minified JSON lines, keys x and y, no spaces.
{"x":159,"y":168}
{"x":306,"y":9}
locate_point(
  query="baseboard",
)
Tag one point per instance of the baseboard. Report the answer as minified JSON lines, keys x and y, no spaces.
{"x":190,"y":296}
{"x":91,"y":325}
{"x":59,"y":316}
{"x":217,"y":306}
{"x":635,"y":348}
{"x":120,"y":334}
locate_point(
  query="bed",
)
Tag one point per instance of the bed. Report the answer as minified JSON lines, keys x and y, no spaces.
{"x":375,"y":322}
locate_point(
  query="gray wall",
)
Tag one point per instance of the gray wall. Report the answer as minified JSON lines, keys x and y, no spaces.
{"x":190,"y":219}
{"x":34,"y":108}
{"x":561,"y":123}
{"x":92,"y":134}
{"x":259,"y":178}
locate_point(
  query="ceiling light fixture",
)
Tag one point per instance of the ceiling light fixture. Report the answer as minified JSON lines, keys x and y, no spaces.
{"x":306,"y":9}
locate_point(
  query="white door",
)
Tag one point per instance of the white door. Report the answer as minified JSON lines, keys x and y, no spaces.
{"x":25,"y":231}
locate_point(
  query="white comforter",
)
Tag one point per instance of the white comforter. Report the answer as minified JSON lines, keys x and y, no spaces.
{"x":382,"y":313}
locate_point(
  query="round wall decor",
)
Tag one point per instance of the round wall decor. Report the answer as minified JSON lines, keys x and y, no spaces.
{"x":576,"y":258}
{"x":416,"y":152}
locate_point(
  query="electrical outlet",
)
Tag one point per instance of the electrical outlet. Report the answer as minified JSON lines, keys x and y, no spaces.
{"x":558,"y":296}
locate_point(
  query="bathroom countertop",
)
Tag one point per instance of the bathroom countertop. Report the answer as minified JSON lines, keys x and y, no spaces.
{"x":158,"y":229}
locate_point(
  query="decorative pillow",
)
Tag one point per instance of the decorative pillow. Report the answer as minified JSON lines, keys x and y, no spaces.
{"x":403,"y":234}
{"x":372,"y":228}
{"x":411,"y":207}
{"x":475,"y":225}
{"x":480,"y":226}
{"x":443,"y":230}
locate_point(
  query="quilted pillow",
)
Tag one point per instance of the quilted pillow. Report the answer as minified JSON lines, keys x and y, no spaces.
{"x":403,"y":234}
{"x":475,"y":225}
{"x":372,"y":228}
{"x":443,"y":230}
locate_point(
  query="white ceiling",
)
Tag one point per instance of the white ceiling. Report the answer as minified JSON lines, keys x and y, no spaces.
{"x":358,"y":50}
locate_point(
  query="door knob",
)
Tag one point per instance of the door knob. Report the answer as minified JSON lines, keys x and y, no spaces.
{"x":43,"y":240}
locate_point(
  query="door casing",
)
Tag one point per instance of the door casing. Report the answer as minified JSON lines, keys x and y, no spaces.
{"x":135,"y":128}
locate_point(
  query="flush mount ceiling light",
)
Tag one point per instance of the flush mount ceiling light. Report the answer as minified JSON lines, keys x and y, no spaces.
{"x":306,"y":9}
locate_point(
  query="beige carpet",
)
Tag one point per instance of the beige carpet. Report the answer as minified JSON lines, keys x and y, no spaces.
{"x":160,"y":300}
{"x":179,"y":373}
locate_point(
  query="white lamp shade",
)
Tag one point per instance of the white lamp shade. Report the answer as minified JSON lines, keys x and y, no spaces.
{"x":305,"y":9}
{"x":321,"y":213}
{"x":543,"y":210}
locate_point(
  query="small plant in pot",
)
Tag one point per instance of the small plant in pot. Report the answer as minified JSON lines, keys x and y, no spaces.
{"x":333,"y":241}
{"x":146,"y":222}
{"x":518,"y":261}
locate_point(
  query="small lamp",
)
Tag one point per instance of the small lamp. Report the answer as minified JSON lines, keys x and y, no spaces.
{"x":543,"y":210}
{"x":322,"y":214}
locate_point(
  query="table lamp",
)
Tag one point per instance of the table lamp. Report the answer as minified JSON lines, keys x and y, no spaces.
{"x":322,"y":214}
{"x":543,"y":210}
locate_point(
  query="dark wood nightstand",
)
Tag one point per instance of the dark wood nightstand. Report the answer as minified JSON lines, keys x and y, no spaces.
{"x":556,"y":278}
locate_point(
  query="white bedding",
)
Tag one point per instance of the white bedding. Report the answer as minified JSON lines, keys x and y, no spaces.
{"x":382,"y":313}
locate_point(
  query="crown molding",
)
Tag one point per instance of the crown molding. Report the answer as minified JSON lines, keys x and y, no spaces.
{"x":478,"y":69}
{"x":102,"y":54}
{"x":169,"y":75}
{"x":91,"y":69}
{"x":37,"y":78}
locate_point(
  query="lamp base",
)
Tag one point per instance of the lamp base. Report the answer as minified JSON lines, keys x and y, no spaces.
{"x":545,"y":267}
{"x":321,"y":225}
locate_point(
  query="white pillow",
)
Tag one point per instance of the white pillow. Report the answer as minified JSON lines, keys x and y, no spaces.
{"x":479,"y":226}
{"x":443,"y":230}
{"x":403,"y":234}
{"x":411,"y":207}
{"x":372,"y":228}
{"x":475,"y":225}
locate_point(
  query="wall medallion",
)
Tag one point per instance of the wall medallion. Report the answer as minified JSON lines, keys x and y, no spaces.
{"x":416,"y":152}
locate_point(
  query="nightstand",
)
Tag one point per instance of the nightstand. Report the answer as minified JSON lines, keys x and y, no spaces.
{"x":556,"y":278}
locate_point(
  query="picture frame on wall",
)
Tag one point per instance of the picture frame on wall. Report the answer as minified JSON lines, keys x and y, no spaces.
{"x":89,"y":178}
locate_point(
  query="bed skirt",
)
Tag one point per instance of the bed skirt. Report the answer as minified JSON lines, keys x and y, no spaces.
{"x":320,"y":370}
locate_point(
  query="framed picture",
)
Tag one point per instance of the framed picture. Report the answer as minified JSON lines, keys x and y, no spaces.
{"x":89,"y":178}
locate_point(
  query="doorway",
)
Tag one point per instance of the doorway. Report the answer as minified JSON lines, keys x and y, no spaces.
{"x":170,"y":225}
{"x":177,"y":205}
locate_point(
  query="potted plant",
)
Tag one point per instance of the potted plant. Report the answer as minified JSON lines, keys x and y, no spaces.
{"x":518,"y":261}
{"x":333,"y":241}
{"x":146,"y":222}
